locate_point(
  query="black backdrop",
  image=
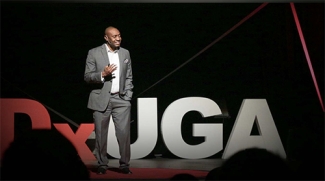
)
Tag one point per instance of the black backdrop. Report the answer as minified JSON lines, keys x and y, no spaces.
{"x":44,"y":48}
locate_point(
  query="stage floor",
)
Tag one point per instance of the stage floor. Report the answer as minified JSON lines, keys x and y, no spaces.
{"x":142,"y":168}
{"x":169,"y":166}
{"x":188,"y":164}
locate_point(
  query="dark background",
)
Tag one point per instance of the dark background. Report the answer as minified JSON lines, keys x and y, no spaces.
{"x":44,"y":48}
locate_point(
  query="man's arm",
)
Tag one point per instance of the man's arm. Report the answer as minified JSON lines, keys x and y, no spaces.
{"x":92,"y":75}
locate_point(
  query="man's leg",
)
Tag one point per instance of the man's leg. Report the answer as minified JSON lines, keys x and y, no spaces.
{"x":121,"y":114}
{"x":101,"y":121}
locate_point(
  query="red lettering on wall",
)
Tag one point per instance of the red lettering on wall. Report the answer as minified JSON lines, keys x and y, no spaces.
{"x":78,"y":139}
{"x":9,"y":106}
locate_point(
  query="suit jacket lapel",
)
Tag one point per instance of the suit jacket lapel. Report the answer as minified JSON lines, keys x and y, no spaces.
{"x":104,"y":52}
{"x":121,"y":58}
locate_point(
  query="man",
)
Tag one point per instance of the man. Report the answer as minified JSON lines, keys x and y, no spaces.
{"x":109,"y":66}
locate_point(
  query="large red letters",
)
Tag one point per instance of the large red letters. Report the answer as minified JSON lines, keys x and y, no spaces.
{"x":40,"y":119}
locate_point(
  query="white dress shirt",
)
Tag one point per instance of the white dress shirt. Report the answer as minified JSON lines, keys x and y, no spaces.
{"x":113,"y":59}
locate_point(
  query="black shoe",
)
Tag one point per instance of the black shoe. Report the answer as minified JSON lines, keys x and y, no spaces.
{"x":125,"y":170}
{"x":101,"y":170}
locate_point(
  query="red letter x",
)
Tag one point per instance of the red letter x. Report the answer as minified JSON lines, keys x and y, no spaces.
{"x":78,"y":139}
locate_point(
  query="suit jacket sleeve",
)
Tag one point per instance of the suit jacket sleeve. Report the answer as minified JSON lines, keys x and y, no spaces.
{"x":92,"y":74}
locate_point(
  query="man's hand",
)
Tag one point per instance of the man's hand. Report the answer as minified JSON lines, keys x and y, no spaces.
{"x":108,"y":70}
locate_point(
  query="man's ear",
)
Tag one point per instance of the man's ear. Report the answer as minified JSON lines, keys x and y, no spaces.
{"x":105,"y":37}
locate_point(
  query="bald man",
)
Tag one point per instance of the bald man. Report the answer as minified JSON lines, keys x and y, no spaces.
{"x":108,"y":67}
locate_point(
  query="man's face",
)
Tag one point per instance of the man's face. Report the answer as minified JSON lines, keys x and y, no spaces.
{"x":113,"y":37}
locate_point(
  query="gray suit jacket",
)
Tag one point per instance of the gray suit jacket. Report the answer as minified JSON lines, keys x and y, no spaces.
{"x":97,"y":59}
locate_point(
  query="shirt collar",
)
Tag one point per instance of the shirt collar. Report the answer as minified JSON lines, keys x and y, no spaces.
{"x":109,"y":50}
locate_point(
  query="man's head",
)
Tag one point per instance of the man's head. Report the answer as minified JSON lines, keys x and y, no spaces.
{"x":113,"y":37}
